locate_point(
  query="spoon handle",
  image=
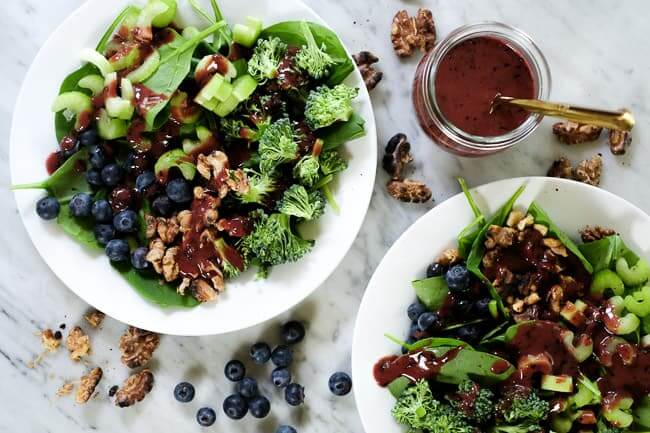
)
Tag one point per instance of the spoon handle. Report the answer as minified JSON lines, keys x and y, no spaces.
{"x":621,"y":120}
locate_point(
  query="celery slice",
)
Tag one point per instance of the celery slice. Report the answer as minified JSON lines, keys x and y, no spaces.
{"x":146,"y":69}
{"x":92,"y":56}
{"x":226,"y":107}
{"x":128,"y":92}
{"x":243,"y":87}
{"x":110,"y":129}
{"x":244,"y":35}
{"x":126,"y":60}
{"x":94,"y":83}
{"x":164,"y":19}
{"x":76,"y":102}
{"x":150,"y":12}
{"x":119,"y":108}
{"x":255,"y":24}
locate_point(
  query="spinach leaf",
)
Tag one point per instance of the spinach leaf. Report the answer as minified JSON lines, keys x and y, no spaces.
{"x":432,"y":292}
{"x":541,"y":217}
{"x":467,"y":236}
{"x":494,"y":335}
{"x":603,"y":253}
{"x":79,"y":229}
{"x":436,"y":342}
{"x":501,"y":334}
{"x":471,"y":365}
{"x":340,"y":133}
{"x":478,"y":248}
{"x":291,"y":33}
{"x":66,"y":181}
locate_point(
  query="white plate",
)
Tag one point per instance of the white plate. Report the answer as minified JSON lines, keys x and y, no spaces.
{"x":570,"y":204}
{"x":246,"y":302}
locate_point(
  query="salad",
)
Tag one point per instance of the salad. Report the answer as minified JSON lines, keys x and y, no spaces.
{"x":189,"y":155}
{"x":520,"y":329}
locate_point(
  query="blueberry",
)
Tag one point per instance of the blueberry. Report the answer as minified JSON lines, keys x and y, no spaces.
{"x":408,"y":341}
{"x":235,"y":406}
{"x":117,"y":250}
{"x":259,"y":406}
{"x":414,"y":330}
{"x":458,"y":279}
{"x":81,"y":205}
{"x":294,"y":394}
{"x":293,"y":332}
{"x":104,"y":233}
{"x":285,"y":429}
{"x":435,"y":270}
{"x":145,"y":180}
{"x":69,"y":151}
{"x":139,"y":258}
{"x":281,"y":377}
{"x":461,"y":306}
{"x":48,"y":208}
{"x":428,"y":321}
{"x":468,"y":333}
{"x":247,"y":387}
{"x":482,"y":307}
{"x":162,"y":206}
{"x":282,"y":356}
{"x":126,"y":221}
{"x":94,"y":178}
{"x":206,"y":416}
{"x":235,"y":370}
{"x":88,"y":137}
{"x":97,"y":158}
{"x":340,"y":383}
{"x":184,"y":392}
{"x":112,"y":174}
{"x":415,"y":310}
{"x":260,"y":353}
{"x":179,"y":191}
{"x":102,"y":211}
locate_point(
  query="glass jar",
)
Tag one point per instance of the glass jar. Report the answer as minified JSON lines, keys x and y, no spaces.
{"x":444,"y":133}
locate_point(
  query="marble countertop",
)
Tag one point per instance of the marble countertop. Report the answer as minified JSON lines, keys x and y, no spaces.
{"x":594,"y":50}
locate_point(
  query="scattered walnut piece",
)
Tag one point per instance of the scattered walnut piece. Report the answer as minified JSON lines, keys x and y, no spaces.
{"x":555,"y":246}
{"x":365,"y":61}
{"x":87,"y":385}
{"x":95,"y":318}
{"x":78,"y":343}
{"x":498,"y":236}
{"x":150,"y":225}
{"x":238,"y":181}
{"x":397,"y":156}
{"x":589,"y":171}
{"x":167,"y":229}
{"x":137,"y":346}
{"x":49,"y":341}
{"x":156,"y":254}
{"x":518,"y":306}
{"x":574,"y":133}
{"x":203,"y":291}
{"x":185,"y":220}
{"x":410,"y":191}
{"x":590,"y":234}
{"x":408,"y":33}
{"x":514,"y":217}
{"x":449,"y":257}
{"x":561,"y":168}
{"x":65,"y":389}
{"x":619,"y":141}
{"x":210,"y":166}
{"x":555,"y":296}
{"x":170,"y":268}
{"x":529,"y":220}
{"x":134,"y":389}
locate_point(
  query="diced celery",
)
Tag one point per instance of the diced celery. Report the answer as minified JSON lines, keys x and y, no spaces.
{"x":190,"y":145}
{"x":243,"y":87}
{"x":228,"y":74}
{"x":164,"y":19}
{"x":227,"y":107}
{"x":97,"y":59}
{"x":151,"y":12}
{"x":146,"y":69}
{"x":128,"y":92}
{"x":557,"y":383}
{"x":127,"y":60}
{"x":94,"y":83}
{"x":217,"y":90}
{"x":110,"y":129}
{"x":244,"y":35}
{"x":625,"y":324}
{"x":255,"y":24}
{"x":606,"y":280}
{"x":635,"y":275}
{"x":182,"y":110}
{"x":76,"y":102}
{"x":119,"y":108}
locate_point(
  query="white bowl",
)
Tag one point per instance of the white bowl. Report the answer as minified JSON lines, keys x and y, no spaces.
{"x":246,"y":302}
{"x":571,"y":205}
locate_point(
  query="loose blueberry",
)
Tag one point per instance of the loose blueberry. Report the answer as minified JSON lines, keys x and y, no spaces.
{"x":139,"y":258}
{"x":482,"y":307}
{"x":340,"y":383}
{"x":145,"y":180}
{"x":94,"y":178}
{"x":126,"y":221}
{"x":162,"y":206}
{"x":293,"y":332}
{"x":179,"y":191}
{"x":458,"y":279}
{"x":117,"y":250}
{"x":206,"y":416}
{"x":81,"y":205}
{"x":294,"y":394}
{"x":282,"y":356}
{"x":112,"y":174}
{"x":428,"y":321}
{"x":235,"y":406}
{"x":102,"y":211}
{"x":281,"y":377}
{"x":235,"y":370}
{"x":48,"y":208}
{"x":247,"y":387}
{"x":259,"y":406}
{"x":97,"y":158}
{"x":285,"y":429}
{"x":89,"y":137}
{"x":184,"y":392}
{"x":415,"y":310}
{"x":104,"y":233}
{"x":435,"y":270}
{"x":260,"y":353}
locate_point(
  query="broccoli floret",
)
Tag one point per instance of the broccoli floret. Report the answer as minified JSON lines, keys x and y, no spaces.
{"x":277,"y":146}
{"x":259,"y":187}
{"x":306,"y":171}
{"x":266,"y":58}
{"x":273,"y":241}
{"x":312,"y":58}
{"x":519,"y":428}
{"x":238,"y":129}
{"x":417,"y":409}
{"x":326,"y":106}
{"x":297,"y":202}
{"x":226,"y":253}
{"x":332,"y":163}
{"x":476,"y":403}
{"x":525,"y":407}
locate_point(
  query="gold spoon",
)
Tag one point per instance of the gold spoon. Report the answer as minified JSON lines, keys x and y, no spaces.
{"x":621,"y":120}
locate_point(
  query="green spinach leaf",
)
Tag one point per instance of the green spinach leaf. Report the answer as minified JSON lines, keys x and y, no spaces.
{"x":603,"y":253}
{"x":340,"y":133}
{"x":80,"y":229}
{"x":291,"y":33}
{"x":467,"y":236}
{"x":472,"y":365}
{"x":432,"y":292}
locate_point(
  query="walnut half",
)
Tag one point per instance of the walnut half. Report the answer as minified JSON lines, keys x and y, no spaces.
{"x":87,"y":385}
{"x":590,"y":234}
{"x":409,"y":191}
{"x":575,"y":133}
{"x":365,"y":61}
{"x":408,"y":33}
{"x":134,"y":389}
{"x":137,"y":346}
{"x":78,"y":343}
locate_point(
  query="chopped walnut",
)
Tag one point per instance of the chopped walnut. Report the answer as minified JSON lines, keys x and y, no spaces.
{"x":590,"y":234}
{"x":238,"y":181}
{"x":449,"y":257}
{"x":95,"y":318}
{"x":589,"y":171}
{"x":490,"y":257}
{"x":541,"y":228}
{"x":408,"y":33}
{"x":202,"y":291}
{"x":518,"y":306}
{"x":409,"y":191}
{"x":185,"y":220}
{"x":555,"y":296}
{"x":170,"y":268}
{"x":150,"y":224}
{"x":185,"y":283}
{"x":514,"y":217}
{"x":532,"y":299}
{"x":87,"y":385}
{"x":65,"y":389}
{"x":397,"y":156}
{"x":137,"y":346}
{"x":49,"y":341}
{"x":498,"y":236}
{"x":134,"y":389}
{"x":561,"y":168}
{"x":619,"y":141}
{"x":574,"y":133}
{"x":556,"y":247}
{"x":78,"y":343}
{"x":156,"y":254}
{"x":525,"y":222}
{"x":210,"y":166}
{"x":167,"y":229}
{"x":365,"y":61}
